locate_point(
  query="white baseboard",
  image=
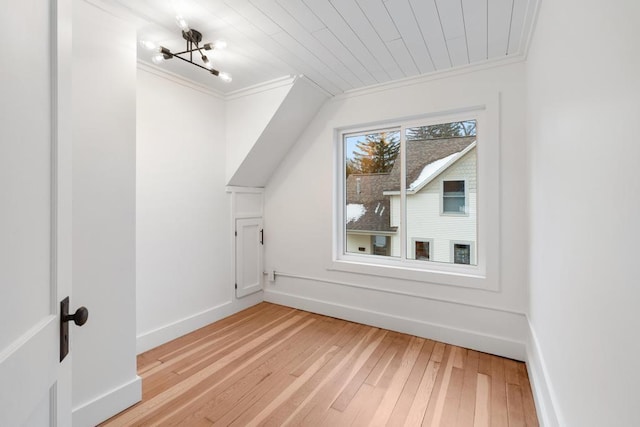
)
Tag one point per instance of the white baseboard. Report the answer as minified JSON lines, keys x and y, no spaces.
{"x":178,"y":328}
{"x":540,"y":383}
{"x":461,"y":337}
{"x":104,"y":407}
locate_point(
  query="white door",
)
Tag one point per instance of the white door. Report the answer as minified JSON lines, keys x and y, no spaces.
{"x":35,"y":205}
{"x":249,"y":241}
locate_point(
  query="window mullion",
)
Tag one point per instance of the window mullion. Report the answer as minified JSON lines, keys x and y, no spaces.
{"x":403,"y":195}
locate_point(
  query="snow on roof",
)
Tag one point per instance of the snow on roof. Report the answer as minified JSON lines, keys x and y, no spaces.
{"x":429,"y":170}
{"x":355,"y":211}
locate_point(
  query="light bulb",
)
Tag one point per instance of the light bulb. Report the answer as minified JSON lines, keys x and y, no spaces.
{"x":206,"y":61}
{"x":149,"y":45}
{"x":158,"y":59}
{"x":220,"y":44}
{"x":182,"y":23}
{"x":225,"y":77}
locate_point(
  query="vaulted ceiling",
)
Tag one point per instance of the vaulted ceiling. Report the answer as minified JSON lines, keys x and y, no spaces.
{"x":338,"y":44}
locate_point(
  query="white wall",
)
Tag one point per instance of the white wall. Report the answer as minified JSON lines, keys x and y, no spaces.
{"x":300,"y":198}
{"x":104,"y":120}
{"x":184,"y":230}
{"x":583,"y":109}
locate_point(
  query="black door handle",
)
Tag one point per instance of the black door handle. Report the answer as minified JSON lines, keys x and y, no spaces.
{"x":262,"y":236}
{"x":79,"y":318}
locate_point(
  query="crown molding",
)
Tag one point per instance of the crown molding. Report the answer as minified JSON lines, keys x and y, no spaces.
{"x":261,"y":87}
{"x":178,"y":79}
{"x":435,"y":75}
{"x":533,"y":10}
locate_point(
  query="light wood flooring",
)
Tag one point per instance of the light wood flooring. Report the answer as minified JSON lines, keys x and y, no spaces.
{"x":274,"y":365}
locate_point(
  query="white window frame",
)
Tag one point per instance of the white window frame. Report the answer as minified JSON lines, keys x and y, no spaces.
{"x":485,"y":274}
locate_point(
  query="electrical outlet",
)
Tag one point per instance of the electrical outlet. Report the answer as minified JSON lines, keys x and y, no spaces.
{"x":272,"y":276}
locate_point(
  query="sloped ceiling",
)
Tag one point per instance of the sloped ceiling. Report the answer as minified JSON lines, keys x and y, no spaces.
{"x":338,"y":44}
{"x":278,"y":116}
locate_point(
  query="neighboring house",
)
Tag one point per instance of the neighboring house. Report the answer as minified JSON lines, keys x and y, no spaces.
{"x":441,"y":204}
{"x":368,"y":214}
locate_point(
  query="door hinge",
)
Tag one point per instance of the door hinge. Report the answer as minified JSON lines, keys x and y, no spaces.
{"x":236,"y":286}
{"x":236,"y":233}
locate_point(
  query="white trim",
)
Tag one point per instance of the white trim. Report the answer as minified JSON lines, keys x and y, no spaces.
{"x":532,"y":13}
{"x":178,"y":79}
{"x":396,"y":292}
{"x":151,"y":339}
{"x":541,"y":386}
{"x":457,"y":336}
{"x":456,"y":275}
{"x":239,"y":189}
{"x":261,"y":87}
{"x":435,"y":75}
{"x":105,"y":406}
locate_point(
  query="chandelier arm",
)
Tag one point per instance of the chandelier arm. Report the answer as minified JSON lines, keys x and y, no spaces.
{"x":211,"y":70}
{"x":187,"y":51}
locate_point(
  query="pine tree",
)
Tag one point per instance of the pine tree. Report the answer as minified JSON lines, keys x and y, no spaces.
{"x":444,"y":130}
{"x":376,"y":154}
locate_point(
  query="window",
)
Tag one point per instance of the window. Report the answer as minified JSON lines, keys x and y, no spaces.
{"x":380,"y":245}
{"x":453,"y":197}
{"x":422,"y":249}
{"x":377,"y":206}
{"x":403,"y":181}
{"x":461,"y":253}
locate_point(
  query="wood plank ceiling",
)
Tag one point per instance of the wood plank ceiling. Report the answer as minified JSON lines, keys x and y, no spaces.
{"x":339,"y":44}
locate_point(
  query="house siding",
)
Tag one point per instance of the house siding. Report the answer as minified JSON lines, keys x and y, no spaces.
{"x":355,"y":241}
{"x":424,"y":217}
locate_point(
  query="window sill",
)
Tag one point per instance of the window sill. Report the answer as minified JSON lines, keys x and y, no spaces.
{"x":450,"y":275}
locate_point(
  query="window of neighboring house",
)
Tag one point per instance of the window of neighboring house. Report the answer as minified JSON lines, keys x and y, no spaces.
{"x":453,"y":197}
{"x":422,"y":249}
{"x":414,"y":179}
{"x":380,"y":245}
{"x":461,"y":253}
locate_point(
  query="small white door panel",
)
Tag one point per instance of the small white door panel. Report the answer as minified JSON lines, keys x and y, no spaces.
{"x":248,"y":260}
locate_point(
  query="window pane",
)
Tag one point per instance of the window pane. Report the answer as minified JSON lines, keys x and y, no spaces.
{"x":372,"y":168}
{"x":461,"y":254}
{"x":453,"y":197}
{"x":441,"y":188}
{"x":422,"y":251}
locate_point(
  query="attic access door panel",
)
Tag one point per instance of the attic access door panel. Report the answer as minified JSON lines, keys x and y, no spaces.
{"x":249,"y":241}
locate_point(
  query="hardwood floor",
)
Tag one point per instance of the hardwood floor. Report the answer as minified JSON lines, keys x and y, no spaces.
{"x":274,"y":365}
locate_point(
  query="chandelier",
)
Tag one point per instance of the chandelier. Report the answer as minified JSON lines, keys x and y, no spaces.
{"x":193,"y":39}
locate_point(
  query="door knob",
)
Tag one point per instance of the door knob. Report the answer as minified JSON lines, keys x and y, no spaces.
{"x":79,"y":317}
